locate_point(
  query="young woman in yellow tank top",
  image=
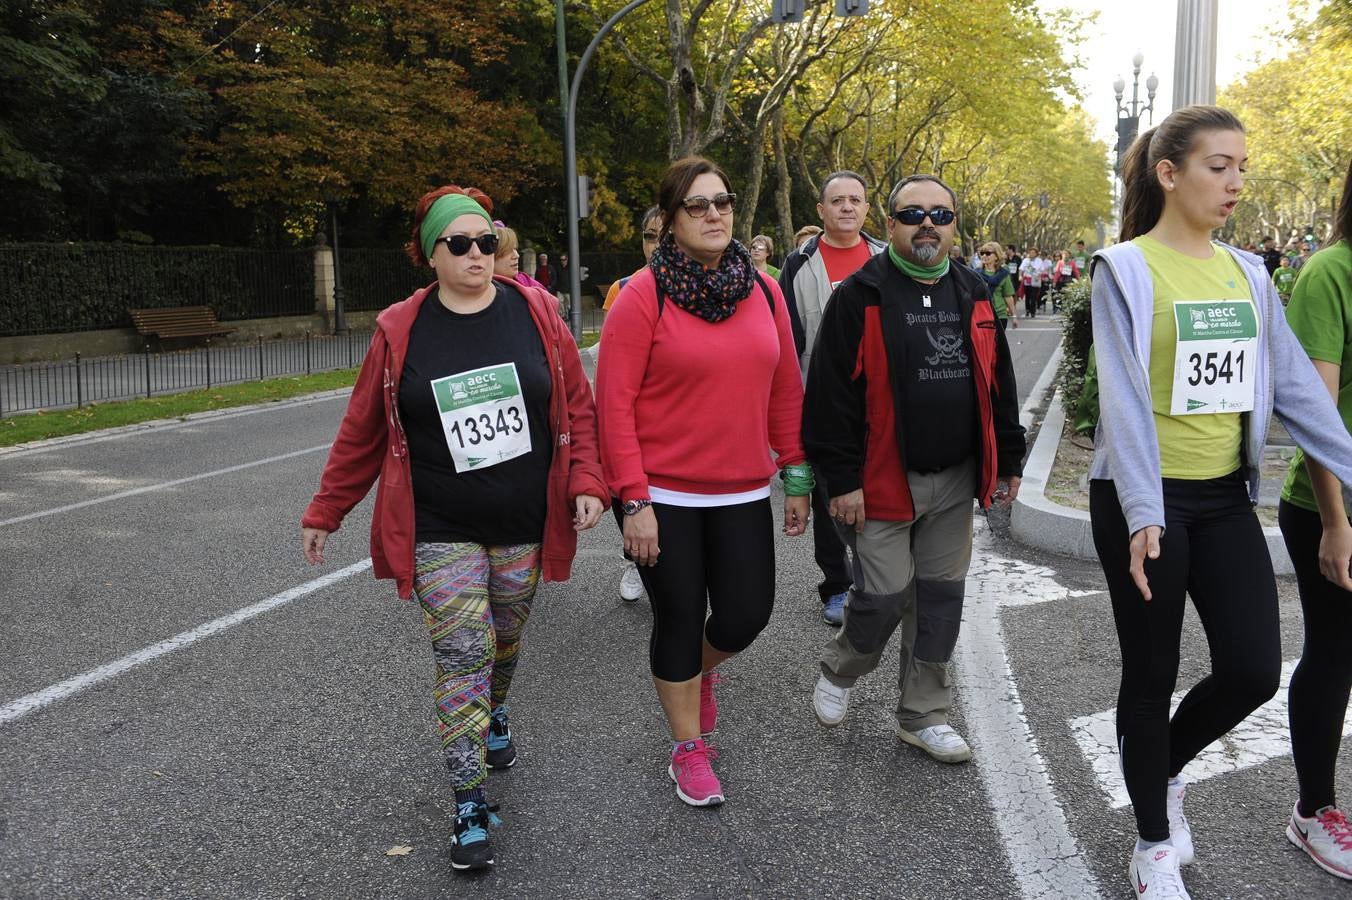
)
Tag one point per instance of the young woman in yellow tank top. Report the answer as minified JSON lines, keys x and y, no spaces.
{"x":1194,"y":355}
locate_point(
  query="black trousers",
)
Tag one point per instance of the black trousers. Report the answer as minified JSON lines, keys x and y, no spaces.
{"x":714,"y":579}
{"x":1322,"y":682}
{"x":827,"y":547}
{"x":1214,"y":551}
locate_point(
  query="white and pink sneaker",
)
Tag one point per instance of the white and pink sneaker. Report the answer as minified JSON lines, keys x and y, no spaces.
{"x":1326,"y":837}
{"x":1155,"y":874}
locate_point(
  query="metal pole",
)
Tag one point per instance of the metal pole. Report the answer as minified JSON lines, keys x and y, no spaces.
{"x":260,"y":357}
{"x":339,"y":320}
{"x":79,"y":388}
{"x":570,"y":159}
{"x":307,"y":351}
{"x":147,"y":370}
{"x":208,"y":363}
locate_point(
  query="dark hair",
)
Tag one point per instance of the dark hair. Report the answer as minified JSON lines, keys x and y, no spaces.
{"x":1172,"y":139}
{"x":414,"y":247}
{"x":676,"y":180}
{"x":911,"y":179}
{"x":836,"y":176}
{"x":1342,"y":219}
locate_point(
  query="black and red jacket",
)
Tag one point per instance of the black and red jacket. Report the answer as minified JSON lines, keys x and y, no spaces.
{"x":854,"y":399}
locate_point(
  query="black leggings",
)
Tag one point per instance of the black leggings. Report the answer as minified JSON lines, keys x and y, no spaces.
{"x":1323,"y":678}
{"x":714,"y":580}
{"x":1213,"y":550}
{"x":1032,"y":299}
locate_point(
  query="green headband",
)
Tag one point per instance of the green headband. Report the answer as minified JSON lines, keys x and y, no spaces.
{"x":446,"y":209}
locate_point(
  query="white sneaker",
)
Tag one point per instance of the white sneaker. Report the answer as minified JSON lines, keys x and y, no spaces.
{"x":1180,"y":832}
{"x":939,"y":741}
{"x":631,"y":584}
{"x":1155,"y":874}
{"x":830,"y":702}
{"x":1327,"y":837}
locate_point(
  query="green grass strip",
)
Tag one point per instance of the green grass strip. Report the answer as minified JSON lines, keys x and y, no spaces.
{"x":39,"y":426}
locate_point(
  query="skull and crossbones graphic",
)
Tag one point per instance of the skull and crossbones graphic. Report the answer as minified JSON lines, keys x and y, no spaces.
{"x":949,"y":347}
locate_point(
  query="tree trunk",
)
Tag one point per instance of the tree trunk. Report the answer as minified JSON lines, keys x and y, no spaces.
{"x":750,"y":195}
{"x":783,"y":187}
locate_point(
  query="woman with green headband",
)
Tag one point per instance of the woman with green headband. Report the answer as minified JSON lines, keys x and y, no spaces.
{"x":473,"y":411}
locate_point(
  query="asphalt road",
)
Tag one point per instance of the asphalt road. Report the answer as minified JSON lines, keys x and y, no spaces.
{"x":282,"y":755}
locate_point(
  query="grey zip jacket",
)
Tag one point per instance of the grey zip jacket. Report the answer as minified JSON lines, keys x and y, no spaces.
{"x":1126,"y":449}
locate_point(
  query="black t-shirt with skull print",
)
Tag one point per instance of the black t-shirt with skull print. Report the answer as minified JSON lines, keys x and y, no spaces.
{"x":940,"y":405}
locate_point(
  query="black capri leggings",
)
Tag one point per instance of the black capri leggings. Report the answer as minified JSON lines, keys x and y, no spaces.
{"x":714,"y":579}
{"x":1320,"y":686}
{"x":1212,"y":549}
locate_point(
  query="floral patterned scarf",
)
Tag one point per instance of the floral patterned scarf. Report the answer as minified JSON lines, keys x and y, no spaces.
{"x":711,"y":294}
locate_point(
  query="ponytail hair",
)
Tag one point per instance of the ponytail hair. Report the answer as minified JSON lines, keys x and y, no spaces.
{"x":1172,"y":139}
{"x":1342,"y":219}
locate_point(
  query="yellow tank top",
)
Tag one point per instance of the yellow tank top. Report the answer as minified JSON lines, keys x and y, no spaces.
{"x":1191,"y":446}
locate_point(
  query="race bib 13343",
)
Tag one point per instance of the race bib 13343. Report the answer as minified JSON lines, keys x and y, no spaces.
{"x":484,"y":416}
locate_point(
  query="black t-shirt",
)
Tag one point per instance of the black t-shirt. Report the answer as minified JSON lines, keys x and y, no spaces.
{"x":940,"y":404}
{"x":1272,"y":259}
{"x":500,"y":503}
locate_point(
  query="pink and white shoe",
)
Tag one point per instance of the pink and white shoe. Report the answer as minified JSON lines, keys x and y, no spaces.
{"x":1326,"y":837}
{"x":708,"y":706}
{"x":696,"y":782}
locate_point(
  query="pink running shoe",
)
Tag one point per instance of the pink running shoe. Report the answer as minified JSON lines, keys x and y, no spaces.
{"x":696,"y":782}
{"x":708,"y":706}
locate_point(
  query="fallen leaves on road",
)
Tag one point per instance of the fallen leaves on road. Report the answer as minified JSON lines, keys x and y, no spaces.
{"x":400,"y":850}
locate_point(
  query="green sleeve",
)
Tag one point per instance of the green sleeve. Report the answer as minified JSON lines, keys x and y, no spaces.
{"x":1320,"y":312}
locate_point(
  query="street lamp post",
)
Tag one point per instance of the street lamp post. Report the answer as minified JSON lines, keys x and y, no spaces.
{"x":1129,"y":115}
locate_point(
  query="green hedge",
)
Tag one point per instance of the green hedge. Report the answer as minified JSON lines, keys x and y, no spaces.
{"x":1077,"y":336}
{"x":51,"y":288}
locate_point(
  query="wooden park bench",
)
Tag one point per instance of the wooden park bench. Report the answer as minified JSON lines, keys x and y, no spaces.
{"x":178,"y":323}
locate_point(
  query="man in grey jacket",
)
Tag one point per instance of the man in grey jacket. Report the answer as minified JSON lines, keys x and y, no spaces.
{"x":809,"y":275}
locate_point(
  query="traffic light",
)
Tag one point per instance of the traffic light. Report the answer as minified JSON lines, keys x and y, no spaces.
{"x":851,"y":7}
{"x":786,"y":10}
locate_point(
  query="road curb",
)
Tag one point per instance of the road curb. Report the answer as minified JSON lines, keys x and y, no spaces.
{"x":1047,"y":525}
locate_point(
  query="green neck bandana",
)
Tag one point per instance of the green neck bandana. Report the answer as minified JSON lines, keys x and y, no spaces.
{"x":446,"y":209}
{"x":909,"y":268}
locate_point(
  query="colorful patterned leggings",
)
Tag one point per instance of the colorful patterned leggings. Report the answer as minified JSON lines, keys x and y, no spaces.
{"x":475,"y":601}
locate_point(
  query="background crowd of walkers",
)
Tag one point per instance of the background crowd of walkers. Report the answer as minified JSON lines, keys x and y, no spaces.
{"x":873,"y":377}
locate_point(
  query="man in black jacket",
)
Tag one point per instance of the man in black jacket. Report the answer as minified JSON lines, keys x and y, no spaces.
{"x":910,"y":411}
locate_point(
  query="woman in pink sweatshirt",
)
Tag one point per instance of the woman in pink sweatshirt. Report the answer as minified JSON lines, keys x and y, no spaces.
{"x":697,"y":384}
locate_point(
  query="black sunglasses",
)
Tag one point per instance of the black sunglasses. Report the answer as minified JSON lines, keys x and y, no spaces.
{"x":986,"y":253}
{"x":458,"y":244}
{"x":914,"y":215}
{"x":698,"y":205}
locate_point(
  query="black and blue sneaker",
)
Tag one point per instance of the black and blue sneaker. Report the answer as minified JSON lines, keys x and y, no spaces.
{"x":470,"y":848}
{"x":501,"y":751}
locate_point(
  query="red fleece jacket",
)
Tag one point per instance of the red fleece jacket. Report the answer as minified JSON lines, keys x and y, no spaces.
{"x":371,"y":444}
{"x":695,"y":406}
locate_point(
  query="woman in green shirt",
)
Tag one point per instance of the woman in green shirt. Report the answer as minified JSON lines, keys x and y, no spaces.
{"x":1318,"y":536}
{"x":1001,"y":284}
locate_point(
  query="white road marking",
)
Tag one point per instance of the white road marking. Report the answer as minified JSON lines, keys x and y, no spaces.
{"x":1262,"y":736}
{"x":17,"y":709}
{"x":1034,"y":832}
{"x":159,"y":486}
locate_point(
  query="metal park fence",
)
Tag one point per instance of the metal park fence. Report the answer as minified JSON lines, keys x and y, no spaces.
{"x":76,"y":382}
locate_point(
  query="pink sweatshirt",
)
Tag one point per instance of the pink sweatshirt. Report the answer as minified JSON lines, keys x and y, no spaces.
{"x":694,"y":406}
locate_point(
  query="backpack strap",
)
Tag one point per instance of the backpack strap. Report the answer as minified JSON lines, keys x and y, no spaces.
{"x":765,"y":289}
